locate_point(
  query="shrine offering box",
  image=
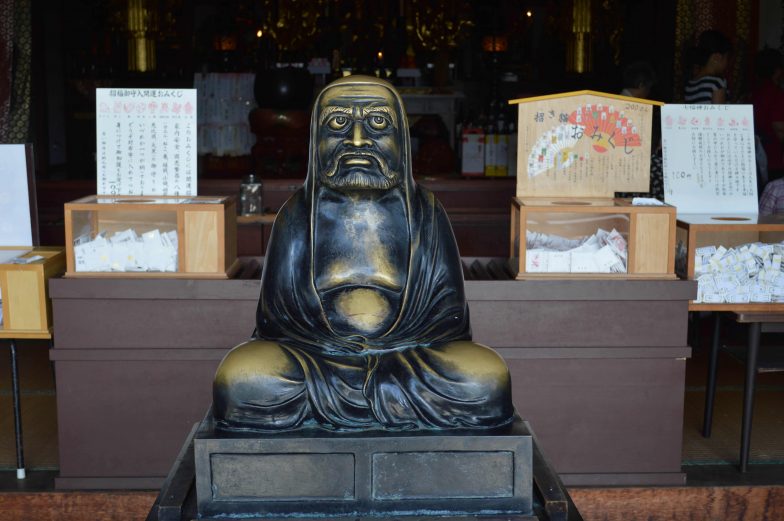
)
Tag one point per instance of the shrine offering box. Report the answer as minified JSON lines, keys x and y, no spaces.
{"x":157,"y":236}
{"x":575,"y":150}
{"x":25,"y":309}
{"x":647,"y":231}
{"x":24,"y":291}
{"x":736,"y":259}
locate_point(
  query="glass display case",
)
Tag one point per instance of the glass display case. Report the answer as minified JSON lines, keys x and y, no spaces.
{"x":736,"y":259}
{"x":591,"y":237}
{"x":191,"y":237}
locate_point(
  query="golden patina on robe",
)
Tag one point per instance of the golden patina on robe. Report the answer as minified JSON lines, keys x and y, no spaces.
{"x":362,"y":321}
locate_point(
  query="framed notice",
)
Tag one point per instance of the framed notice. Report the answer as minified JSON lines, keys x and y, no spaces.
{"x":709,"y":161}
{"x":17,"y":196}
{"x":146,"y":141}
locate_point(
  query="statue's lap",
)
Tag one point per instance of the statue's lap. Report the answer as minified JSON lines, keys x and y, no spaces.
{"x":270,"y":386}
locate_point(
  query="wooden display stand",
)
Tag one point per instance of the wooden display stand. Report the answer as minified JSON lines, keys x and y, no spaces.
{"x":650,"y":232}
{"x":27,"y":311}
{"x":575,"y":150}
{"x":206,"y":230}
{"x":699,"y":230}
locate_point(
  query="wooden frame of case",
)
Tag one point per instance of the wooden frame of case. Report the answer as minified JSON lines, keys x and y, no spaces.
{"x":206,"y":228}
{"x":698,"y":230}
{"x":651,"y":229}
{"x":27,"y":310}
{"x":651,"y":236}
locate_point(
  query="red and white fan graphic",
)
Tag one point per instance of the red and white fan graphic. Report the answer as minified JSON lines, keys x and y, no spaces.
{"x":607,"y":128}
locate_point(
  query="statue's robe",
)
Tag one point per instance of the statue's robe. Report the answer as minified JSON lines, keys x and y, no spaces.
{"x":422,"y":371}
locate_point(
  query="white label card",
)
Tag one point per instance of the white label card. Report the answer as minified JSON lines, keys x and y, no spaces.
{"x":146,"y":141}
{"x":709,"y":159}
{"x":15,"y":226}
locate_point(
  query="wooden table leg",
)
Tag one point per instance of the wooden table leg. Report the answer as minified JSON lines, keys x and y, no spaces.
{"x":748,"y":393}
{"x":20,"y":466}
{"x":710,"y":387}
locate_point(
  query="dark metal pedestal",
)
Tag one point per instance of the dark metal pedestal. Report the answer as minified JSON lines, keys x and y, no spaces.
{"x":425,"y":476}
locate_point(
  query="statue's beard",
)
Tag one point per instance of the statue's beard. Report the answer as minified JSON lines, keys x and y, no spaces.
{"x":376,"y":176}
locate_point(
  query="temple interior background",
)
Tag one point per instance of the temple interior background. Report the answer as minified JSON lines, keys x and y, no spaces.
{"x":258,"y":65}
{"x":482,"y":52}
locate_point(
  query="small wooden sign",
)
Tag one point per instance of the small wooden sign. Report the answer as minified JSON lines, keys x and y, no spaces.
{"x":583,"y":144}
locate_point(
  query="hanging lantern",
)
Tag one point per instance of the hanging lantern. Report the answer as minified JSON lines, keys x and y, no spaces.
{"x":579,"y":51}
{"x":142,"y":26}
{"x":495,"y":43}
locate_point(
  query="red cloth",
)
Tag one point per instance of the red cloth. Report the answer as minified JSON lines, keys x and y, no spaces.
{"x":768,"y":101}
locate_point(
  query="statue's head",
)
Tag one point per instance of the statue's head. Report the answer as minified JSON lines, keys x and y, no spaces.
{"x":360,"y":131}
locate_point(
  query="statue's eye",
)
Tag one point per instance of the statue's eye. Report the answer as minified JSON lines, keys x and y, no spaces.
{"x":338,"y":122}
{"x":378,"y":122}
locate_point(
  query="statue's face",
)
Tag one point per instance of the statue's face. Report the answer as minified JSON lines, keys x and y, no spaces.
{"x":359,"y":138}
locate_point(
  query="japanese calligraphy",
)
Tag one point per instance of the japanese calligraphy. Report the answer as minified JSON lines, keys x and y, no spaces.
{"x":585,"y":145}
{"x":146,"y":141}
{"x":709,"y":160}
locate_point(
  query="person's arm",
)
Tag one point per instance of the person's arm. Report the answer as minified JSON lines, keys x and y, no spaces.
{"x":767,"y":203}
{"x":778,"y":130}
{"x":719,"y":96}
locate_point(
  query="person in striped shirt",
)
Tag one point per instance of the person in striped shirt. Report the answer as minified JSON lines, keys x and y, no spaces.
{"x":709,"y":60}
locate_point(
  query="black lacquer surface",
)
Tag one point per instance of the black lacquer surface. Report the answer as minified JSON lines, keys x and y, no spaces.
{"x":362,"y":321}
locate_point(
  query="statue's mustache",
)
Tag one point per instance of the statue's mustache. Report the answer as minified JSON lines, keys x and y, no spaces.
{"x":332,"y":168}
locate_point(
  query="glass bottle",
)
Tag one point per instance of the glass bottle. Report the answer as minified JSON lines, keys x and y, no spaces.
{"x":250,"y":196}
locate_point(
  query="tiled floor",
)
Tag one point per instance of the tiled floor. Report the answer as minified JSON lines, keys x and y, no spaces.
{"x":722,"y":448}
{"x":39,"y":407}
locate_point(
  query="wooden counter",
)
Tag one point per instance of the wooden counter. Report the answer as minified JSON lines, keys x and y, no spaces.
{"x":598,"y":369}
{"x":477,"y":208}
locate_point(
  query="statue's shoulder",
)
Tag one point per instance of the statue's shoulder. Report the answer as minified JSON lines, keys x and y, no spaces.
{"x":293,"y":206}
{"x":428,"y":199}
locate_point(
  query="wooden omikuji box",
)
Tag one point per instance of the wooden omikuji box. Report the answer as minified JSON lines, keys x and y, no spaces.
{"x":24,"y":291}
{"x":205,"y":228}
{"x":703,"y":230}
{"x":575,"y":150}
{"x":649,"y":232}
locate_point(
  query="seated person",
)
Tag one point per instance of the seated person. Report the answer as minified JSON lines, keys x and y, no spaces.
{"x":772,"y":199}
{"x":362,"y":321}
{"x":638,"y":81}
{"x":768,"y":101}
{"x":709,"y":60}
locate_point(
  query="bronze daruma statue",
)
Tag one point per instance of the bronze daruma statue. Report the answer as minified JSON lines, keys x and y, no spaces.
{"x":362,"y":321}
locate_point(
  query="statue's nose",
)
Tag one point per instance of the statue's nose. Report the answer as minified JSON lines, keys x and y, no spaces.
{"x":358,"y":137}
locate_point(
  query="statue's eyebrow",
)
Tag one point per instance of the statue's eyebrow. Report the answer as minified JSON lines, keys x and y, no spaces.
{"x":333,"y":108}
{"x":381,"y":108}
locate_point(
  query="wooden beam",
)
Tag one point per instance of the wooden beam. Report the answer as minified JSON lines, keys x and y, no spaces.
{"x":680,"y":503}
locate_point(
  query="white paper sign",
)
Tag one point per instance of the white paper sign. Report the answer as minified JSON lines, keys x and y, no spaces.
{"x":15,"y":226}
{"x":146,"y":141}
{"x":709,"y":160}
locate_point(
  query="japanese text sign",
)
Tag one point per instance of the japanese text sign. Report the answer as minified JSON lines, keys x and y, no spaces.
{"x":146,"y":141}
{"x":583,"y":144}
{"x":709,"y":161}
